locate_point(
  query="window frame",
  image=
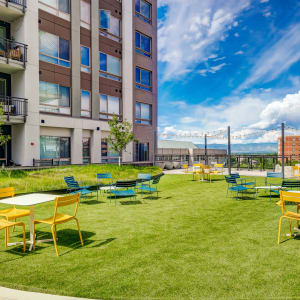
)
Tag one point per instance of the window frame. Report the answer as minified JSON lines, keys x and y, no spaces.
{"x":107,"y":114}
{"x":139,"y":15}
{"x":90,"y":105}
{"x":84,"y":68}
{"x":141,"y":119}
{"x":139,"y":50}
{"x":86,"y":159}
{"x":57,"y":106}
{"x":83,"y":23}
{"x":106,"y":74}
{"x":138,"y":158}
{"x":141,"y":86}
{"x":105,"y":31}
{"x":50,"y":9}
{"x":58,"y":51}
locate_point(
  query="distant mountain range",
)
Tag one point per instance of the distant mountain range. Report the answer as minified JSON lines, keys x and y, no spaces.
{"x":254,"y":148}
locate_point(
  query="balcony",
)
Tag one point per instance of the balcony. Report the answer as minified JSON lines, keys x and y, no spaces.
{"x":13,"y":56}
{"x":14,"y":109}
{"x":11,"y":10}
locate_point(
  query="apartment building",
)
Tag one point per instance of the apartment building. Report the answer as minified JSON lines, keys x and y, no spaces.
{"x":291,"y":146}
{"x":68,"y":66}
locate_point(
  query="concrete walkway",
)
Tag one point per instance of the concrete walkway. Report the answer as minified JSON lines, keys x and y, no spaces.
{"x":9,"y":294}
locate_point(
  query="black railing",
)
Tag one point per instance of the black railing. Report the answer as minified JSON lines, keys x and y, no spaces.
{"x":22,"y":3}
{"x":13,"y":50}
{"x":14,"y":106}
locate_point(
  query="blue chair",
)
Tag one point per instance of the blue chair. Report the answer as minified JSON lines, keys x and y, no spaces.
{"x":149,"y":188}
{"x":143,"y":179}
{"x":233,"y":186}
{"x":124,"y":189}
{"x":74,"y":187}
{"x":272,"y":175}
{"x":243,"y":181}
{"x":106,"y":188}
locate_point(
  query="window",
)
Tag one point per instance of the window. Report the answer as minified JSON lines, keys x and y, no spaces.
{"x":86,"y":151}
{"x":55,"y":147}
{"x":54,"y":98}
{"x":85,"y":59}
{"x":85,"y":104}
{"x":143,"y":10}
{"x":54,"y":49}
{"x":107,"y":155}
{"x":110,"y":67}
{"x":143,"y":113}
{"x":109,"y":26}
{"x":85,"y":14}
{"x":143,"y":44}
{"x":59,"y":8}
{"x":143,"y":79}
{"x":142,"y":151}
{"x":109,"y":106}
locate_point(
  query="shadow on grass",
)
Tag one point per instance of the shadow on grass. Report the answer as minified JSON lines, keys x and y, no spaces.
{"x":130,"y":202}
{"x":91,"y":202}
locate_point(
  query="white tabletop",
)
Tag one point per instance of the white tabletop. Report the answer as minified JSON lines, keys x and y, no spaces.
{"x":29,"y":199}
{"x":273,"y":187}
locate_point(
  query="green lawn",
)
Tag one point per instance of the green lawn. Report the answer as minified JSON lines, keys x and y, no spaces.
{"x":53,"y":178}
{"x":192,"y":242}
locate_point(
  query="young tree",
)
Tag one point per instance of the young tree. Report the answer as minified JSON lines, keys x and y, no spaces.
{"x":3,"y":138}
{"x":120,"y":135}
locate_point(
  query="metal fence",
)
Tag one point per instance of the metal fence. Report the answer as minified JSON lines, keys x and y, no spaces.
{"x":22,"y":3}
{"x":14,"y":106}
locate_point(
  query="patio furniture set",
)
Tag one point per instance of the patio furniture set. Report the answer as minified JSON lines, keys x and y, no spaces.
{"x":145,"y":183}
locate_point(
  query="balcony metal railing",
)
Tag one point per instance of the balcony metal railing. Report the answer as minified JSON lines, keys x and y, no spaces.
{"x":13,"y":50}
{"x":14,"y":106}
{"x":22,"y":3}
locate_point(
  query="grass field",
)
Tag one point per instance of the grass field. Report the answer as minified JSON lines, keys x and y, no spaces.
{"x":53,"y":178}
{"x":189,"y":243}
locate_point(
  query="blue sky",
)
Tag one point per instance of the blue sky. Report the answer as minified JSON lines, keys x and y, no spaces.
{"x":233,"y":62}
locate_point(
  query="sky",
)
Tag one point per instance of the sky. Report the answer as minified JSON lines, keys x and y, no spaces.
{"x":228,"y":63}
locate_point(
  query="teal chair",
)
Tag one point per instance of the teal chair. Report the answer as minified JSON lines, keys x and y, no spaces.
{"x":124,"y":189}
{"x":152,"y":187}
{"x":233,"y":186}
{"x":105,"y":188}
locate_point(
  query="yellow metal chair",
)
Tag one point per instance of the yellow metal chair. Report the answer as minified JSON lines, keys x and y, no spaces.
{"x":219,"y":169}
{"x":4,"y":224}
{"x":11,"y":213}
{"x":286,"y":214}
{"x":186,"y":168}
{"x":197,"y":170}
{"x":208,"y":172}
{"x":59,"y":218}
{"x":295,"y":171}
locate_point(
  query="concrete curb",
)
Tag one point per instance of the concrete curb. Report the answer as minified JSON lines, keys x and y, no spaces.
{"x":10,"y":294}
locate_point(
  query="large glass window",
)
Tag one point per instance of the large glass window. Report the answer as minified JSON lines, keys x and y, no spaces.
{"x":142,"y":151}
{"x":54,"y":98}
{"x":110,"y":67}
{"x":85,"y":103}
{"x":109,"y":25}
{"x":57,"y":7}
{"x":143,"y":79}
{"x":85,"y":14}
{"x":86,"y":150}
{"x":54,"y":49}
{"x":109,"y":106}
{"x":143,"y":44}
{"x":143,"y":113}
{"x":55,"y":147}
{"x":85,"y":59}
{"x":107,"y":155}
{"x":143,"y":10}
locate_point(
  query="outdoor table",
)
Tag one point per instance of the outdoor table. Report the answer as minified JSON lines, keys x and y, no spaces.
{"x":29,"y":200}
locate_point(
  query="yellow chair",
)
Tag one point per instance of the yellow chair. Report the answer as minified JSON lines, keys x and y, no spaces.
{"x":186,"y":168}
{"x":4,"y":224}
{"x":59,"y":218}
{"x":295,"y":171}
{"x":219,"y":169}
{"x":208,"y":172}
{"x":286,"y":214}
{"x":11,"y":213}
{"x":197,"y":170}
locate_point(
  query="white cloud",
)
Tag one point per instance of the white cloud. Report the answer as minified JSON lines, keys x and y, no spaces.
{"x":212,"y":69}
{"x":187,"y":120}
{"x":179,"y":104}
{"x":267,"y":14}
{"x":236,"y":34}
{"x":278,"y":58}
{"x":185,"y":42}
{"x":240,"y":52}
{"x":235,"y":24}
{"x":264,"y":1}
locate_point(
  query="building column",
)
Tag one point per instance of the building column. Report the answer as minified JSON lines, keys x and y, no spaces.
{"x":128,"y":85}
{"x":96,"y":147}
{"x":76,"y":146}
{"x":95,"y":59}
{"x":76,"y":61}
